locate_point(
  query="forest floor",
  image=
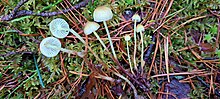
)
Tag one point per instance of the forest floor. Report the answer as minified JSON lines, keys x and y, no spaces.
{"x":170,"y":52}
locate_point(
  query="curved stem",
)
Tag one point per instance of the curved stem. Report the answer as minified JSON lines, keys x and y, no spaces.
{"x":110,"y":40}
{"x":67,"y":51}
{"x":132,"y":86}
{"x":135,"y":45}
{"x":129,"y":59}
{"x":61,"y":49}
{"x":77,"y":35}
{"x":103,"y":44}
{"x":142,"y":53}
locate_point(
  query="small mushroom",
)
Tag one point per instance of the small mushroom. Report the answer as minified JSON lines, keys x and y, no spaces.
{"x":60,"y":29}
{"x":103,"y":14}
{"x":51,"y":46}
{"x":128,"y":38}
{"x":135,"y":18}
{"x":140,"y":28}
{"x":90,"y":28}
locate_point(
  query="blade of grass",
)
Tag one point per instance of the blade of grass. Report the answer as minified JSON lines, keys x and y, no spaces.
{"x":38,"y":72}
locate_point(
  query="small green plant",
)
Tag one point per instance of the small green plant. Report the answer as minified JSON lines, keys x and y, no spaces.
{"x":217,"y":52}
{"x":208,"y":37}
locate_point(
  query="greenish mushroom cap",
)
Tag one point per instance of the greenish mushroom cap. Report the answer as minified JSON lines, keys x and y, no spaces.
{"x":47,"y":46}
{"x":127,"y":37}
{"x":91,"y":27}
{"x":140,"y":28}
{"x":59,"y":28}
{"x":136,"y":17}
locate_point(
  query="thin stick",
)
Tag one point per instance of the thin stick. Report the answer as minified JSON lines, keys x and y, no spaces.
{"x":43,"y":14}
{"x":175,"y":74}
{"x":166,"y":57}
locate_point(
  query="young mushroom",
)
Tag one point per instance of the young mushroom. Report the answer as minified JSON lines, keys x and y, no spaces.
{"x":90,"y":28}
{"x":140,"y":28}
{"x":135,"y":18}
{"x":103,"y":14}
{"x":60,"y":29}
{"x":127,"y":38}
{"x":51,"y":46}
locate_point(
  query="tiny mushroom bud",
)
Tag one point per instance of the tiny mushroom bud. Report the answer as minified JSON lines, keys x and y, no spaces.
{"x":127,"y":37}
{"x":140,"y":28}
{"x":135,"y":18}
{"x":51,"y":46}
{"x":103,"y":14}
{"x":91,"y":27}
{"x":60,"y":29}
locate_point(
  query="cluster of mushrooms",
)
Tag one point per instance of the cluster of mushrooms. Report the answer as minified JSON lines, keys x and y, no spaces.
{"x":59,"y":28}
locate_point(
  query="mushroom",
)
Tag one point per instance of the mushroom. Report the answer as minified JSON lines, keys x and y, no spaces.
{"x":140,"y":28}
{"x":135,"y":18}
{"x":90,"y":28}
{"x":60,"y":29}
{"x":127,"y":38}
{"x":51,"y":46}
{"x":103,"y":14}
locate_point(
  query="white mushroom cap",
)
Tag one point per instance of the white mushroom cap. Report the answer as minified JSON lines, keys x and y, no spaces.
{"x":140,"y":28}
{"x":59,"y":28}
{"x":136,"y":17}
{"x":91,"y":27}
{"x":102,"y":13}
{"x":127,"y":37}
{"x":46,"y":49}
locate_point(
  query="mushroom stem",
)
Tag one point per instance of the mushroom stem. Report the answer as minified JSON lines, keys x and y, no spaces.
{"x":62,"y":49}
{"x":77,"y":35}
{"x":103,"y":44}
{"x":142,"y":52}
{"x":110,"y":41}
{"x":132,"y":86}
{"x":129,"y":59}
{"x":135,"y":45}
